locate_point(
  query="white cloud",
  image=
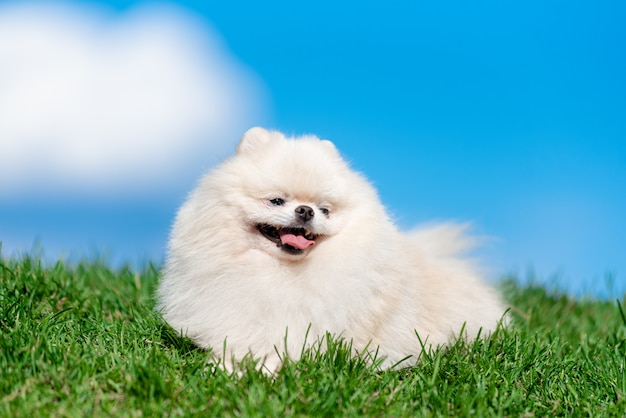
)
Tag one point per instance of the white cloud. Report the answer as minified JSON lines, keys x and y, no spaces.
{"x":104,"y":104}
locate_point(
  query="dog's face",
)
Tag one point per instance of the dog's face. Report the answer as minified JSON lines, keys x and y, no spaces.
{"x":293,"y":195}
{"x":294,"y":227}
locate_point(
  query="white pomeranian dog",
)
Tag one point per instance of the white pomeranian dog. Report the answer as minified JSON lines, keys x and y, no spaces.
{"x":283,"y":243}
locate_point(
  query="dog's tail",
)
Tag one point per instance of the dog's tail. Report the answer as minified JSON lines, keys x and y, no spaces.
{"x":446,"y":239}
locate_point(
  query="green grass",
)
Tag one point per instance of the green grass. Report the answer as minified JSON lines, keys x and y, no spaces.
{"x":83,"y":340}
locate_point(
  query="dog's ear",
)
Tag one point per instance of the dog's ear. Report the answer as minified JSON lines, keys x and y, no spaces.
{"x":253,"y":140}
{"x":329,"y":146}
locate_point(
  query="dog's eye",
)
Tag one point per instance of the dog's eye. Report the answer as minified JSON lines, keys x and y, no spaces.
{"x":277,"y":202}
{"x":325,"y":211}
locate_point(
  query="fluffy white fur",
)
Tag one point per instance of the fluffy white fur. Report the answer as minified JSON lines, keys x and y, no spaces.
{"x":229,"y":287}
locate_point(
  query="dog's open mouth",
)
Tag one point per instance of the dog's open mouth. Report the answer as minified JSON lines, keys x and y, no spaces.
{"x":291,"y":240}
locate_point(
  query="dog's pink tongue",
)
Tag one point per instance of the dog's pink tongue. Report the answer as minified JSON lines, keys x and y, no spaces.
{"x":297,"y":241}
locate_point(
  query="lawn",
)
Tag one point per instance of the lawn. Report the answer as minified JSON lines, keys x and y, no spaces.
{"x":83,"y":340}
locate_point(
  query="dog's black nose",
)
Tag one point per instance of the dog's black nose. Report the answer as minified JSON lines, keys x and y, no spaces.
{"x":304,"y":213}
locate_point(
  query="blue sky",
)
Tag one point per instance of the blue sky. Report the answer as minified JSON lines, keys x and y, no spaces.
{"x":512,"y":116}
